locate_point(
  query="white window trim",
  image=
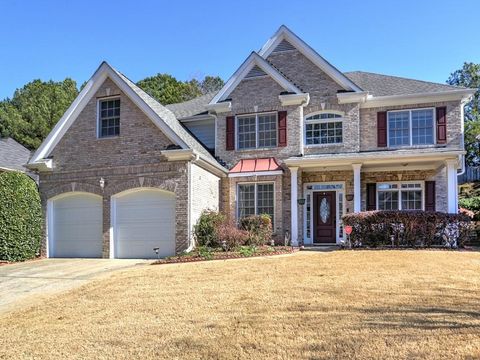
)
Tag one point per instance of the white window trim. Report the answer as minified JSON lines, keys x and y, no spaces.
{"x":320,"y":121}
{"x":255,"y":193}
{"x":99,"y":125}
{"x":410,"y":129}
{"x":309,"y":240}
{"x":399,"y":190}
{"x":237,"y":134}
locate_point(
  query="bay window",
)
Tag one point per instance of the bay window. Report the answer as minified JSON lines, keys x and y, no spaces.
{"x":400,"y":196}
{"x":255,"y":199}
{"x":411,"y":127}
{"x":257,"y":131}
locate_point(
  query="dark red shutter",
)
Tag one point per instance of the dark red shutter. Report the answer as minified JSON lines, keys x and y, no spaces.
{"x":282,"y":128}
{"x":429,"y":195}
{"x":441,"y":125}
{"x":230,"y":143}
{"x":382,"y":129}
{"x":371,"y":196}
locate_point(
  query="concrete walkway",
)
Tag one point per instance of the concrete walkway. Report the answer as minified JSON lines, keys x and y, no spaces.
{"x":23,"y":283}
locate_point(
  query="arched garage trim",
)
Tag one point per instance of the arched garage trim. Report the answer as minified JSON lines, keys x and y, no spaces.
{"x":50,"y":234}
{"x":114,"y":236}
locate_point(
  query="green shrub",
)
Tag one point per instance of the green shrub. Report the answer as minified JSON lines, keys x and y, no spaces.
{"x":20,"y":217}
{"x":259,"y":228}
{"x":408,"y":228}
{"x":471,"y":203}
{"x":206,"y":229}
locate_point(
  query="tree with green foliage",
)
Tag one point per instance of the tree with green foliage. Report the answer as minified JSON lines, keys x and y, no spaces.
{"x":168,"y":90}
{"x":469,"y":76}
{"x":35,"y":109}
{"x":211,"y":84}
{"x":20,"y":217}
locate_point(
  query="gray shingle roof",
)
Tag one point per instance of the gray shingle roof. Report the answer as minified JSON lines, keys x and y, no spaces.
{"x":13,"y":155}
{"x":191,"y":107}
{"x":169,"y":118}
{"x":385,"y":85}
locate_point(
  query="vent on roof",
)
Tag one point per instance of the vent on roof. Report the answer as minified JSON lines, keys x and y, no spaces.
{"x":256,"y":71}
{"x":284,"y":46}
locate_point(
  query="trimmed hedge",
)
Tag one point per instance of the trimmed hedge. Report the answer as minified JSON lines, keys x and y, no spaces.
{"x":20,"y":217}
{"x":407,"y":229}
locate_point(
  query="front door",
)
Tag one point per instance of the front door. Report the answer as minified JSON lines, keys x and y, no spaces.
{"x":324,"y":217}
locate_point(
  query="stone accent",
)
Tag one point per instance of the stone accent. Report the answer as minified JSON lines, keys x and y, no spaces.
{"x":368,"y":124}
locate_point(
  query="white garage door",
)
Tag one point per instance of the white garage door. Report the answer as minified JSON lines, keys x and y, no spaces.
{"x":76,"y":226}
{"x":144,"y":220}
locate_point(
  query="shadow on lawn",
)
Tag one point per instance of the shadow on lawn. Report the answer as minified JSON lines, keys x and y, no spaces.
{"x":427,"y":318}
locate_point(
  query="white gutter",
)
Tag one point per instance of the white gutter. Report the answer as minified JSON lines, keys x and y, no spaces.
{"x":390,"y":100}
{"x":191,"y":155}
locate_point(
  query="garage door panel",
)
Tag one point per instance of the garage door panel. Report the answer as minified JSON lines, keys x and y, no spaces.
{"x":145,"y":220}
{"x":77,"y":226}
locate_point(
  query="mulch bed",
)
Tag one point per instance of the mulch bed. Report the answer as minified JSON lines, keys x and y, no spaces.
{"x":227,"y":255}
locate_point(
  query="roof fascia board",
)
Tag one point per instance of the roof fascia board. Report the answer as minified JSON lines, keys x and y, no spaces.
{"x":284,"y":33}
{"x":244,"y":69}
{"x":391,"y":100}
{"x":69,"y":116}
{"x":102,"y":73}
{"x":255,"y":173}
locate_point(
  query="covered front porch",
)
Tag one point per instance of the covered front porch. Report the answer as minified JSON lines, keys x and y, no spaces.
{"x":329,"y":186}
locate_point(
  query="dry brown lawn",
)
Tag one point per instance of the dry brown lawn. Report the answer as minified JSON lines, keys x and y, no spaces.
{"x":343,"y":304}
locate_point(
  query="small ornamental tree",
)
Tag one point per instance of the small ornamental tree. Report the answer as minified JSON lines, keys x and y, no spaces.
{"x":20,"y":217}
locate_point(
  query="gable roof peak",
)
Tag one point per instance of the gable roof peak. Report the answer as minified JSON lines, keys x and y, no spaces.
{"x":250,"y":62}
{"x":284,"y":33}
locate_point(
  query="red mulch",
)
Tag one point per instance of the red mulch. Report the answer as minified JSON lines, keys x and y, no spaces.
{"x":283,"y":250}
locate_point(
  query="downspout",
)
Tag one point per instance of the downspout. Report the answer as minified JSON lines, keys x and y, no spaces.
{"x":461,"y":158}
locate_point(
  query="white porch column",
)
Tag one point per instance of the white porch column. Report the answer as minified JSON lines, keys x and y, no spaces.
{"x":293,"y":204}
{"x":357,"y":189}
{"x":452,"y":190}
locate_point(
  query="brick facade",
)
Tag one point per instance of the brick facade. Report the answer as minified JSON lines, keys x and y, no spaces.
{"x":131,"y":160}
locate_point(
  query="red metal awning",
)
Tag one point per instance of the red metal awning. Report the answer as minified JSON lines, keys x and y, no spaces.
{"x":256,"y":165}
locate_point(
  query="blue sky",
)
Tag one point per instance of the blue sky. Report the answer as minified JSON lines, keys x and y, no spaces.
{"x":57,"y":39}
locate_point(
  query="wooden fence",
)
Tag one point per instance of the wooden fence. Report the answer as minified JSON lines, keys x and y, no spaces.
{"x":471,"y":174}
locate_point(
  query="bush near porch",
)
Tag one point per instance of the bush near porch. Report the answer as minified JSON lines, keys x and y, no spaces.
{"x":407,"y":229}
{"x":214,"y":233}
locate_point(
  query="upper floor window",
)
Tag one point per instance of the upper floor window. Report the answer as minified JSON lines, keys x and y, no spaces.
{"x":411,"y":127}
{"x":257,"y":131}
{"x":324,"y":128}
{"x":400,"y":196}
{"x":109,"y":118}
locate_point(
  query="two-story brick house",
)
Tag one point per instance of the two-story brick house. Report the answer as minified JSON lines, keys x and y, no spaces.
{"x":292,"y":137}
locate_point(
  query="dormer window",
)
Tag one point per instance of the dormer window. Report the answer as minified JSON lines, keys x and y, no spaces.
{"x":109,"y":118}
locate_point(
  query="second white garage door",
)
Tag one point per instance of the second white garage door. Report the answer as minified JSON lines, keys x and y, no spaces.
{"x":144,"y":219}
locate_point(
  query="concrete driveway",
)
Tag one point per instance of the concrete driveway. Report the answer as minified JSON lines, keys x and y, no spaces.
{"x":24,"y":283}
